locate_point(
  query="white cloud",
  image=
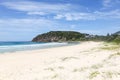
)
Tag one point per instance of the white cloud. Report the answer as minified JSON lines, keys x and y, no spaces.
{"x":58,"y":16}
{"x":36,"y":7}
{"x":62,"y":11}
{"x":106,"y":3}
{"x":108,"y":15}
{"x":36,"y":13}
{"x":75,"y":16}
{"x":24,"y":29}
{"x":110,"y":4}
{"x":114,"y":14}
{"x":27,"y":25}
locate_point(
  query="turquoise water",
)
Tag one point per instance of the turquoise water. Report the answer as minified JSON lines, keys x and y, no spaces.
{"x":21,"y":46}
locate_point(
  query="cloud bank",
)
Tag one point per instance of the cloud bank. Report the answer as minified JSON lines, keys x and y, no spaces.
{"x":62,"y":11}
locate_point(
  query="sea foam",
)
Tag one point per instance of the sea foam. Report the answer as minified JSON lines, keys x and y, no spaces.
{"x":12,"y":47}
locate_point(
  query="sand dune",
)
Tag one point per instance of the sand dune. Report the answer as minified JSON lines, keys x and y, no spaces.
{"x":85,"y":61}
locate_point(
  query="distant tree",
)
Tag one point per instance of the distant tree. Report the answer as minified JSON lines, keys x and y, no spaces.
{"x":108,"y":35}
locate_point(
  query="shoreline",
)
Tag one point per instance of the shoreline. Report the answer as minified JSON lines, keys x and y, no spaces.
{"x":49,"y":48}
{"x":28,"y":47}
{"x":86,"y":61}
{"x":42,"y":49}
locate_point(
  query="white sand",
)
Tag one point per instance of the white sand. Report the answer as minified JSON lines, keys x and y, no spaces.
{"x":86,"y":61}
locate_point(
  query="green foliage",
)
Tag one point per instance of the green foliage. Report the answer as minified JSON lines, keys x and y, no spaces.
{"x":110,"y":46}
{"x":97,"y":38}
{"x":117,"y":40}
{"x":93,"y":74}
{"x":68,"y":58}
{"x":59,"y":36}
{"x":114,"y":38}
{"x":54,"y":36}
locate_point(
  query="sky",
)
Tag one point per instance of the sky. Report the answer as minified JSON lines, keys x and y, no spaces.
{"x":21,"y":20}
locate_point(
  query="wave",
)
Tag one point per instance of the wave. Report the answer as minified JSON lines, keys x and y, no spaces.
{"x":13,"y":48}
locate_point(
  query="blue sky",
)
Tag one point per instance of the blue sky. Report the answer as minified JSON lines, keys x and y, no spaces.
{"x":21,"y":20}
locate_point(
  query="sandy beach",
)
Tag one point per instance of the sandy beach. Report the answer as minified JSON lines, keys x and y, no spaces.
{"x":85,"y":61}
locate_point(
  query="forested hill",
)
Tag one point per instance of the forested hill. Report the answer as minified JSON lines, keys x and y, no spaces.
{"x":62,"y":36}
{"x":59,"y":36}
{"x":117,"y":33}
{"x":114,"y":37}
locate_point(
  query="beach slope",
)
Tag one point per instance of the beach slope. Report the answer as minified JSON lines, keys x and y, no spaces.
{"x":85,"y":61}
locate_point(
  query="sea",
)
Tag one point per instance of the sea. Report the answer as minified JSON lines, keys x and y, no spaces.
{"x":13,"y":46}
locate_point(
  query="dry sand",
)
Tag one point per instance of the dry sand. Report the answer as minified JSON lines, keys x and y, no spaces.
{"x":85,"y":61}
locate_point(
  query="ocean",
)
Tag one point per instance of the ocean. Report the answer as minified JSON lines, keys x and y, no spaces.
{"x":26,"y":45}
